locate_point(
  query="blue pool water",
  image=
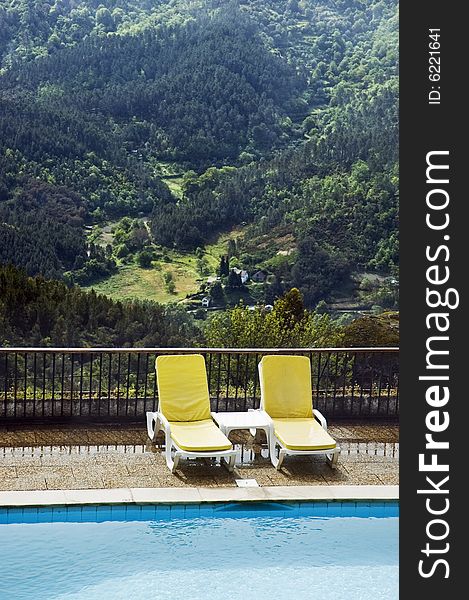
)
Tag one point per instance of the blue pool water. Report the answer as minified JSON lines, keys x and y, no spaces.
{"x":235,"y":556}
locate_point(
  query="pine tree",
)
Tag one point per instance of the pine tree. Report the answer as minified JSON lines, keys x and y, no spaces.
{"x":224,"y":268}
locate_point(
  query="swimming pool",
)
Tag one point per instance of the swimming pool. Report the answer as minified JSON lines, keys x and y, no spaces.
{"x":323,"y":551}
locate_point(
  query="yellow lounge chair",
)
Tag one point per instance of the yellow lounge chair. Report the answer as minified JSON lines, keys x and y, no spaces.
{"x":184,"y":412}
{"x":286,"y":396}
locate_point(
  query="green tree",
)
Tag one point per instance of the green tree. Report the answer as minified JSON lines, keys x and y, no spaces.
{"x":217,"y":293}
{"x":369,"y":331}
{"x":224,"y":268}
{"x":290,"y":309}
{"x":144,"y":259}
{"x":232,"y":248}
{"x":122,"y":251}
{"x":203,"y":266}
{"x":105,"y":19}
{"x":234,"y":280}
{"x":281,"y":328}
{"x":169,"y":283}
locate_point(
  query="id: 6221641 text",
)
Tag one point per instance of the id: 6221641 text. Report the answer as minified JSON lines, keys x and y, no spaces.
{"x":434,"y":66}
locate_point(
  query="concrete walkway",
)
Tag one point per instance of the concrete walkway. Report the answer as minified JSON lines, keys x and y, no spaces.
{"x":291,"y":493}
{"x":121,"y":457}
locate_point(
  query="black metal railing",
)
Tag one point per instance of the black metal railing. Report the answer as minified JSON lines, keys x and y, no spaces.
{"x":120,"y":384}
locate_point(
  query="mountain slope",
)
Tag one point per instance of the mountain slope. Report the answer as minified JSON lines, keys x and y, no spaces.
{"x":272,"y":113}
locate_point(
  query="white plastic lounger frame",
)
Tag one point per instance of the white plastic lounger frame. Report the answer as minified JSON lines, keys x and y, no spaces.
{"x":332,"y":454}
{"x":156,"y":422}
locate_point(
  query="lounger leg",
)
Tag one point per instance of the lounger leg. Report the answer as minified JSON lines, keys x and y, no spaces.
{"x":333,"y":458}
{"x":170,"y":461}
{"x":152,"y":424}
{"x":273,"y":451}
{"x":274,"y":459}
{"x":169,"y":458}
{"x":175,"y":461}
{"x":281,"y":456}
{"x":230,"y":463}
{"x":272,"y":443}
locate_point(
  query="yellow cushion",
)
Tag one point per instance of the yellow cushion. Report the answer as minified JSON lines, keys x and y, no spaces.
{"x":286,"y":387}
{"x":199,"y":436}
{"x":183,"y":388}
{"x":302,"y":434}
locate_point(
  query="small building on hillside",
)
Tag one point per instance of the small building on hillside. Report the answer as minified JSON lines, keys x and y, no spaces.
{"x":206,"y":301}
{"x":244,"y":275}
{"x":259,"y":276}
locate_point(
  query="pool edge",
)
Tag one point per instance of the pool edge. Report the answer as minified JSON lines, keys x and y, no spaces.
{"x":175,"y":495}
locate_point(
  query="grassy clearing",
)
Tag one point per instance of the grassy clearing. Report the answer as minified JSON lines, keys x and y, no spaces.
{"x":172,"y":174}
{"x":133,"y":282}
{"x":175,"y":185}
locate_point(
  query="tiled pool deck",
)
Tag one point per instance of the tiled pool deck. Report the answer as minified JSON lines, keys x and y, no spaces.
{"x":121,"y":457}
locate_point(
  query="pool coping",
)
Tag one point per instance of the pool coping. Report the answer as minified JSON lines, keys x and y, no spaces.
{"x":200,"y":495}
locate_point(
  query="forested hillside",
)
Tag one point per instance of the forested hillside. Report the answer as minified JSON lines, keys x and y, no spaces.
{"x":276,"y":115}
{"x":37,"y":312}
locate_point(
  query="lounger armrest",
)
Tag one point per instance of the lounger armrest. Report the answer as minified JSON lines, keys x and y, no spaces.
{"x":152,"y":424}
{"x":321,"y":418}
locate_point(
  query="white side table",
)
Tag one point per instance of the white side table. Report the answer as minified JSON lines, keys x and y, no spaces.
{"x":252,"y":420}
